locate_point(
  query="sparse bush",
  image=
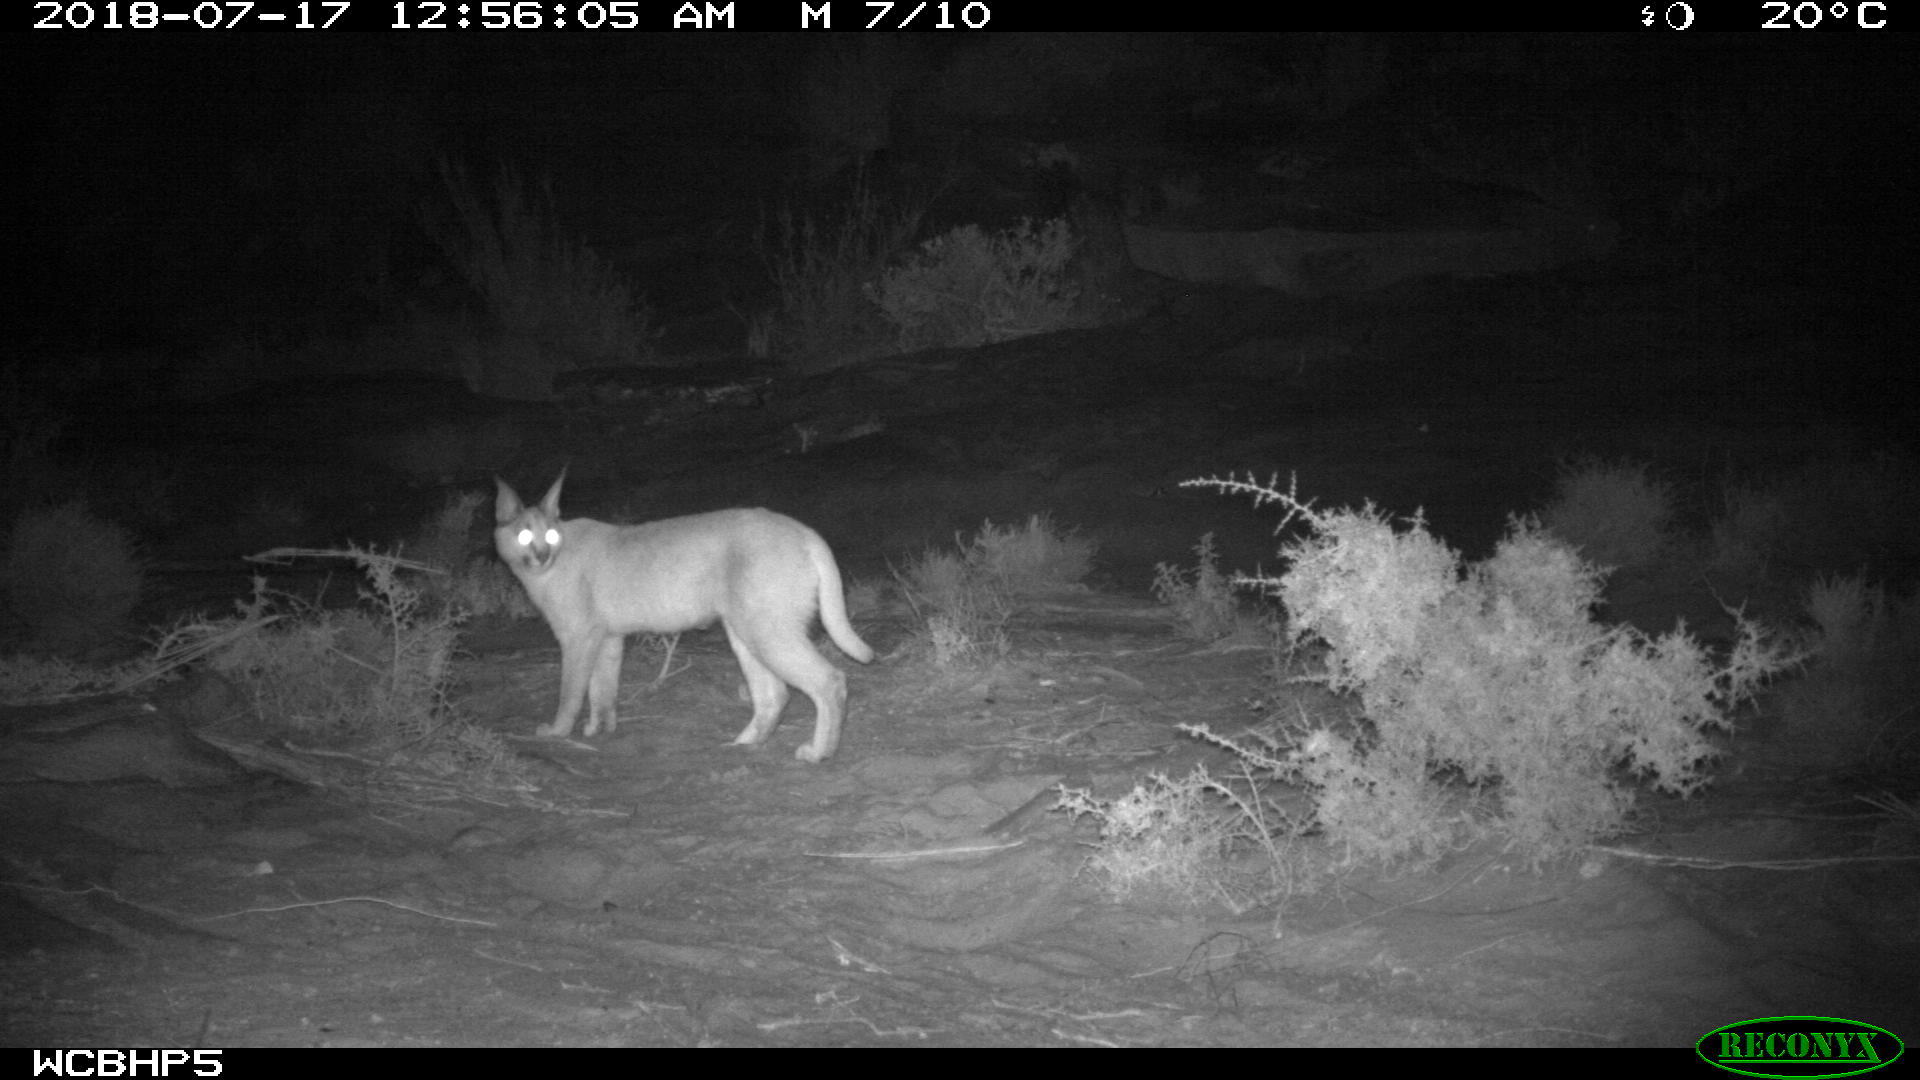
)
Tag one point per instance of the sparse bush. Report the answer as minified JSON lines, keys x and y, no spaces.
{"x":1495,"y":674}
{"x":371,"y":681}
{"x":376,"y":672}
{"x":965,"y":612}
{"x":72,"y":580}
{"x":1615,"y":513}
{"x":1201,"y":598}
{"x":818,"y":267}
{"x":312,"y":674}
{"x":1164,"y":834}
{"x":1377,"y":807}
{"x":941,"y":579}
{"x":1852,"y":615}
{"x":973,"y":635}
{"x":966,"y":595}
{"x":467,"y":582}
{"x":1031,"y":559}
{"x":1855,"y":704}
{"x":554,"y":299}
{"x":484,"y":586}
{"x":1188,"y":837}
{"x":443,"y":540}
{"x":967,"y":288}
{"x":759,"y":335}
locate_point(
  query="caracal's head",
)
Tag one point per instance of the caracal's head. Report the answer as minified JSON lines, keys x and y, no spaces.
{"x":527,"y":537}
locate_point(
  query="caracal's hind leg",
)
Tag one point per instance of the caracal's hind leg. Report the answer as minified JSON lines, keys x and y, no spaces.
{"x":796,"y":662}
{"x":769,"y":693}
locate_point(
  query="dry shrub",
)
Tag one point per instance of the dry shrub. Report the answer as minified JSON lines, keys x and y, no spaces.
{"x":1190,"y":838}
{"x":1746,"y":537}
{"x":1615,"y":513}
{"x":966,"y":595}
{"x":1201,"y":598}
{"x":1030,"y":559}
{"x":373,"y":678}
{"x":484,"y":586}
{"x":1856,"y":705}
{"x":819,"y":264}
{"x":444,"y":540}
{"x":539,"y":287}
{"x":1494,"y":674}
{"x":469,"y":581}
{"x":371,"y":671}
{"x":970,"y":288}
{"x":1163,"y":835}
{"x":965,"y":612}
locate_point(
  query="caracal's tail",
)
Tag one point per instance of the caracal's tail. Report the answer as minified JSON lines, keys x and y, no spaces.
{"x":833,"y":602}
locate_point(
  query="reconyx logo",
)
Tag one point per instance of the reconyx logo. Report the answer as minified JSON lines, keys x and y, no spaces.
{"x":1799,"y":1047}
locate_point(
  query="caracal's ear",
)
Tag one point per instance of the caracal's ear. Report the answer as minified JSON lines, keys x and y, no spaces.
{"x":506,"y":503}
{"x":551,"y":504}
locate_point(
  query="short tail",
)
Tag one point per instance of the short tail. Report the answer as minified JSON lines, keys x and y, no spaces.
{"x":833,"y":602}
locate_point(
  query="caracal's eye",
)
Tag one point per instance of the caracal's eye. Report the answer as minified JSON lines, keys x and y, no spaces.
{"x":553,"y":537}
{"x":524,"y":537}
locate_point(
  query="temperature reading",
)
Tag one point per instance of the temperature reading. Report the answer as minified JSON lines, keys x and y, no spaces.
{"x":1809,"y":15}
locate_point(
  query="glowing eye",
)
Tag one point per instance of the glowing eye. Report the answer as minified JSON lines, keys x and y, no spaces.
{"x":553,"y":537}
{"x":524,"y":537}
